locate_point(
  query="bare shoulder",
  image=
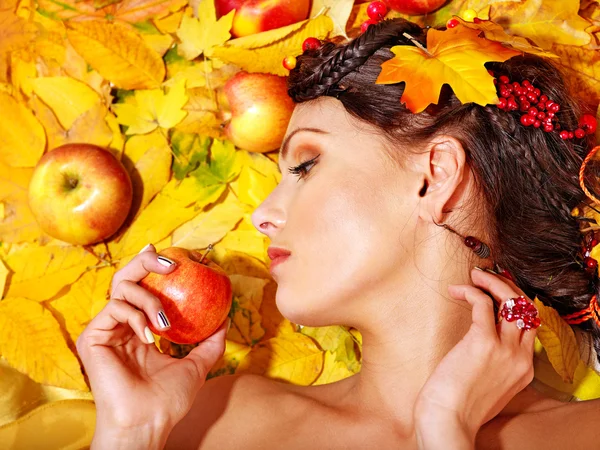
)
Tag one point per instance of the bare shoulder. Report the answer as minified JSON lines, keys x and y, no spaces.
{"x":553,"y":425}
{"x":230,"y":411}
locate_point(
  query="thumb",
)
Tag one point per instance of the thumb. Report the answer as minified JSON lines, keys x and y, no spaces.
{"x":206,"y":354}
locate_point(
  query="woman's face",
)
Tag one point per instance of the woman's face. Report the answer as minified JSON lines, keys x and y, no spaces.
{"x":348,"y":221}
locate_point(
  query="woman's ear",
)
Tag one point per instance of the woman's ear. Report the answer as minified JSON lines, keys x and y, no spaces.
{"x":443,"y":170}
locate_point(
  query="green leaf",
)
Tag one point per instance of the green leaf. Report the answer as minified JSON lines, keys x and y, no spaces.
{"x":189,"y":150}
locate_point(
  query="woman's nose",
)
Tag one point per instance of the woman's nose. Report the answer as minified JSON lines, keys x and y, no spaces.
{"x":268,"y":219}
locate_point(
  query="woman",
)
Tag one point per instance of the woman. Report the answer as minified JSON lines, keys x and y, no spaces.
{"x":371,"y":206}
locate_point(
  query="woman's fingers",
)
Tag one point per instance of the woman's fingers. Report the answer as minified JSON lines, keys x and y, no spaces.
{"x":483,"y":307}
{"x":206,"y":354}
{"x":144,"y":301}
{"x":141,"y":265}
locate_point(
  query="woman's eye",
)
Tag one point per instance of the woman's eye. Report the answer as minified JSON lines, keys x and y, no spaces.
{"x":302,"y":169}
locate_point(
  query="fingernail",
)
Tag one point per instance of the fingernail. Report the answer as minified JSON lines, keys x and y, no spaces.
{"x":479,"y":268}
{"x":162,"y":320}
{"x":145,"y":248}
{"x":149,"y":335}
{"x":165,"y":261}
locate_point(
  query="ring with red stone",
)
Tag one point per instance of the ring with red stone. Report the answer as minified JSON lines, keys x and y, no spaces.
{"x":522,"y":311}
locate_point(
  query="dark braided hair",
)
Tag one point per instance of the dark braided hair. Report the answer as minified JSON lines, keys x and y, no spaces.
{"x":528,"y":178}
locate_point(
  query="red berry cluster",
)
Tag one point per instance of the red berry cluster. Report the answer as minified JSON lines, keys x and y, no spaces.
{"x":310,"y":43}
{"x":589,"y":263}
{"x":523,"y":311}
{"x":376,"y":11}
{"x":538,"y":110}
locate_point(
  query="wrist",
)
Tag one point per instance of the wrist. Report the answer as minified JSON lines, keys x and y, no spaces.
{"x":436,"y":429}
{"x":145,"y":437}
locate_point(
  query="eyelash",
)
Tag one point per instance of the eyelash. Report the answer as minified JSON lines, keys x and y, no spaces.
{"x":301,"y":169}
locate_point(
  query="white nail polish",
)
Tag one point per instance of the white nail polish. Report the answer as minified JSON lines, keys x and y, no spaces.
{"x":145,"y":248}
{"x":165,"y":261}
{"x":149,"y":335}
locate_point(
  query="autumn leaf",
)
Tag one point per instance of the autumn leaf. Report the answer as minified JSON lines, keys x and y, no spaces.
{"x":258,"y":177}
{"x":455,"y":57}
{"x":75,"y":308}
{"x":229,"y":362}
{"x":264,"y":52}
{"x":150,"y":109}
{"x":15,"y":33}
{"x":130,"y":11}
{"x":189,"y":150}
{"x":118,"y":53}
{"x":338,"y":10}
{"x":32,"y":342}
{"x":294,"y":358}
{"x":40,"y":272}
{"x":545,"y":22}
{"x":203,"y":31}
{"x":203,"y":114}
{"x":333,"y":370}
{"x":559,"y":341}
{"x":246,"y":321}
{"x":581,"y":68}
{"x":22,"y":138}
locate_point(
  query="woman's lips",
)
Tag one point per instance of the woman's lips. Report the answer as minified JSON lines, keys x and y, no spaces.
{"x":278,"y":260}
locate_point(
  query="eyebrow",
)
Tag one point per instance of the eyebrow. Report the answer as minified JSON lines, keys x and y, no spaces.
{"x":286,"y":142}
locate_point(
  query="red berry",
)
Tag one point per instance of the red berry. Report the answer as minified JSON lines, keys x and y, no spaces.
{"x":590,"y":262}
{"x":366,"y":24}
{"x":593,"y":243}
{"x":537,"y":123}
{"x":452,"y":23}
{"x":548,"y":128}
{"x":511,"y":104}
{"x":588,"y":123}
{"x":555,"y":108}
{"x":289,"y":62}
{"x":532,"y":97}
{"x":504,"y":79}
{"x":537,"y":92}
{"x":579,"y":133}
{"x":477,"y":20}
{"x":564,"y":134}
{"x":525,"y":119}
{"x":543,"y":98}
{"x":376,"y":10}
{"x":526,"y":83}
{"x":525,"y":106}
{"x":310,"y":43}
{"x":550,"y":114}
{"x":502,"y":103}
{"x":533,"y":111}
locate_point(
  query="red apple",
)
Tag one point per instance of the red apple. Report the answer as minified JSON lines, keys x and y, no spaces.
{"x":196,"y":296}
{"x":260,"y":110}
{"x":254,"y":16}
{"x":414,"y":7}
{"x":80,"y":193}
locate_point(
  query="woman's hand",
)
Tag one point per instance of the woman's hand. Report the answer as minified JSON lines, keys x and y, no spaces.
{"x":481,"y":374}
{"x":140,"y":393}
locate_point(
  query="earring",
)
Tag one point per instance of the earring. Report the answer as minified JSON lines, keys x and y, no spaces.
{"x":476,"y":246}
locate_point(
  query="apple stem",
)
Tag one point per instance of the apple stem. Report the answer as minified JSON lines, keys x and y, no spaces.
{"x":208,"y":249}
{"x":417,"y":43}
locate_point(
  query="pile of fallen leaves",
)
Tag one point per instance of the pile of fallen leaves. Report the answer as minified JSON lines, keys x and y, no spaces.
{"x":143,"y":79}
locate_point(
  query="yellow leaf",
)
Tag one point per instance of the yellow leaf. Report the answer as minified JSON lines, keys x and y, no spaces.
{"x":67,"y":97}
{"x":3,"y":278}
{"x":22,"y":138}
{"x":546,"y":22}
{"x":39,"y":273}
{"x":293,"y":358}
{"x":559,"y":341}
{"x":247,"y":299}
{"x":455,"y":57}
{"x":204,"y":31}
{"x":74,"y":309}
{"x":249,"y":241}
{"x":264,"y":52}
{"x":338,"y":10}
{"x":259,"y":176}
{"x":175,"y":204}
{"x":160,"y":43}
{"x":32,"y":342}
{"x":234,"y":262}
{"x":119,"y":54}
{"x":149,"y":163}
{"x":211,"y":225}
{"x":227,"y":365}
{"x":329,"y":338}
{"x":18,"y":224}
{"x":582,"y":69}
{"x":333,"y":370}
{"x":15,"y":33}
{"x":152,"y":108}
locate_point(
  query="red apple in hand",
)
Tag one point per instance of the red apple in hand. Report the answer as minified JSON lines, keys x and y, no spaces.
{"x":196,"y":296}
{"x":80,"y":193}
{"x":260,"y":110}
{"x":414,"y":7}
{"x":254,"y":16}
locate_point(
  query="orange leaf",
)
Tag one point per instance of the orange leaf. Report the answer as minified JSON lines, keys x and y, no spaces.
{"x":455,"y":57}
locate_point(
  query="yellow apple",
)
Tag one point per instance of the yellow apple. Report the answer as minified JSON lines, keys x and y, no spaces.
{"x":260,"y":110}
{"x":80,"y":193}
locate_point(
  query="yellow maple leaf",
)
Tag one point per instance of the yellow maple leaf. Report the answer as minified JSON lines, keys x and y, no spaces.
{"x":118,"y":53}
{"x":264,"y":52}
{"x":15,"y":32}
{"x":67,"y":97}
{"x":293,"y":357}
{"x":18,"y":223}
{"x":228,"y":363}
{"x":545,"y":22}
{"x":149,"y":158}
{"x":32,"y":342}
{"x":202,"y":31}
{"x":153,"y":108}
{"x":75,"y":307}
{"x":338,"y":10}
{"x":22,"y":138}
{"x":559,"y":341}
{"x":211,"y":225}
{"x":246,"y":319}
{"x":455,"y":57}
{"x":40,"y":272}
{"x":333,"y":370}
